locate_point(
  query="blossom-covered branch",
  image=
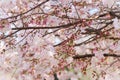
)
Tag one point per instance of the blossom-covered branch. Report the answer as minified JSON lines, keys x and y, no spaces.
{"x":61,"y":26}
{"x":27,"y":10}
{"x":60,"y":39}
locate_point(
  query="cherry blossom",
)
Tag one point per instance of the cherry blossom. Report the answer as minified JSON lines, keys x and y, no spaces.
{"x":59,"y":40}
{"x":116,"y":23}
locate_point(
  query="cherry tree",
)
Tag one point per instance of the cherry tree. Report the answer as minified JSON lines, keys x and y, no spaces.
{"x":60,"y":39}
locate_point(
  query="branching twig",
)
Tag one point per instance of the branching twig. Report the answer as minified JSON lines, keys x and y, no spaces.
{"x":10,"y":34}
{"x":54,"y":27}
{"x":27,"y":11}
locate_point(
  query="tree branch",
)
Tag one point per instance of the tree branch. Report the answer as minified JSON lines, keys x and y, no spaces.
{"x":27,"y":11}
{"x":92,"y":55}
{"x":10,"y":35}
{"x":53,"y":27}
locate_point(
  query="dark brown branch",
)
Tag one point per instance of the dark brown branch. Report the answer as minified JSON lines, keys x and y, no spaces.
{"x":95,"y":37}
{"x":106,"y":25}
{"x":27,"y":11}
{"x":86,"y":41}
{"x":113,"y":38}
{"x":92,"y":55}
{"x":10,"y":34}
{"x":53,"y":27}
{"x":50,"y":32}
{"x":20,"y":40}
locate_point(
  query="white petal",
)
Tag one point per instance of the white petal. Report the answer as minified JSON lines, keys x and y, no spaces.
{"x":116,"y":23}
{"x":93,"y":11}
{"x":57,"y":40}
